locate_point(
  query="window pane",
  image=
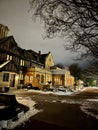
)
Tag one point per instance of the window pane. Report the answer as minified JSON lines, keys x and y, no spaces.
{"x":5,"y":76}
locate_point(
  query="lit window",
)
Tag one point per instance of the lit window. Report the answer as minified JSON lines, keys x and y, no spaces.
{"x":27,"y":79}
{"x":9,"y":57}
{"x":38,"y":77}
{"x":31,"y":79}
{"x":22,"y":62}
{"x":21,"y":76}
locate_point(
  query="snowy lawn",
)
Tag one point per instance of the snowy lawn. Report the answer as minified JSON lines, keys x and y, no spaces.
{"x":22,"y":117}
{"x":52,"y":92}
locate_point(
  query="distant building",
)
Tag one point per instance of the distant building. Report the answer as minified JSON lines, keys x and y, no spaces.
{"x":62,"y":77}
{"x":3,"y":31}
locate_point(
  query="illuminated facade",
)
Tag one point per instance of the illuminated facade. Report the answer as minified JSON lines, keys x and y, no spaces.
{"x":19,"y":66}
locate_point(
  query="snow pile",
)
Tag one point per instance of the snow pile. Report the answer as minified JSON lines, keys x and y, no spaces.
{"x":22,"y":117}
{"x":89,"y":89}
{"x":72,"y":101}
{"x":2,"y":107}
{"x":52,"y":92}
{"x":63,"y":93}
{"x":40,"y":91}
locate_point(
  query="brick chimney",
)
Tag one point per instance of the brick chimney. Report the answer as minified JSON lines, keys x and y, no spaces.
{"x":39,"y":52}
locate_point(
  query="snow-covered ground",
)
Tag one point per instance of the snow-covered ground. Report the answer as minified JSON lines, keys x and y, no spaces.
{"x":22,"y":117}
{"x":86,"y":105}
{"x":89,"y":89}
{"x":58,"y":92}
{"x":51,"y":92}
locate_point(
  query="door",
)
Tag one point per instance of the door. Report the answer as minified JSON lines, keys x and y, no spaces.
{"x":12,"y":80}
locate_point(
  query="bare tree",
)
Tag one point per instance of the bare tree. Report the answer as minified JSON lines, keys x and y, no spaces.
{"x":90,"y":74}
{"x":76,"y":71}
{"x":92,"y":70}
{"x":74,"y":19}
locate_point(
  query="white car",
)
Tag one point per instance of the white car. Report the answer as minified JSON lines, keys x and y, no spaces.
{"x":62,"y":88}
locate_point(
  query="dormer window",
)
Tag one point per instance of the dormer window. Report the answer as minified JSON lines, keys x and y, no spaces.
{"x":22,"y":62}
{"x":9,"y":57}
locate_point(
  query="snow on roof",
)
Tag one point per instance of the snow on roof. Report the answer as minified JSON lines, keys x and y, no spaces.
{"x":2,"y":65}
{"x":62,"y":71}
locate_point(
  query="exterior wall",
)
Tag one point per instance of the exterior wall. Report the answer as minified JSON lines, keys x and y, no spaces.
{"x":49,"y":61}
{"x":63,"y":78}
{"x":58,"y":80}
{"x":8,"y":83}
{"x":72,"y":82}
{"x":30,"y":74}
{"x":46,"y":74}
{"x":67,"y":77}
{"x":69,"y":80}
{"x":32,"y":78}
{"x":38,"y":77}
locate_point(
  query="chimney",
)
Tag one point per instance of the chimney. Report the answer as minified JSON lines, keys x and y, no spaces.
{"x":39,"y":52}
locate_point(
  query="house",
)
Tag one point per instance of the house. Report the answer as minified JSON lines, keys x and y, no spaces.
{"x":40,"y":75}
{"x":62,"y":77}
{"x":20,"y":66}
{"x":14,"y":62}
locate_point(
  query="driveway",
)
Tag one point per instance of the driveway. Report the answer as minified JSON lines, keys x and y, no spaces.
{"x":75,"y":112}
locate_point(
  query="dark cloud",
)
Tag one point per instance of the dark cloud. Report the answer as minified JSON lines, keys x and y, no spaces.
{"x":29,"y":34}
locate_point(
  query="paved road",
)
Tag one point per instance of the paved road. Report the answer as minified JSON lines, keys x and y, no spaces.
{"x":63,"y":112}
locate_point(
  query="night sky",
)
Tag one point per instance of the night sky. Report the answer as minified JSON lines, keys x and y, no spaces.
{"x":29,"y":33}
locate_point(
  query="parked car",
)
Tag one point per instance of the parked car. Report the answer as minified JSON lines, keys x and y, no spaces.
{"x":62,"y":88}
{"x":35,"y":88}
{"x":28,"y":86}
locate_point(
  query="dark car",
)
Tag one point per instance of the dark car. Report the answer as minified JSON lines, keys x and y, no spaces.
{"x":28,"y":86}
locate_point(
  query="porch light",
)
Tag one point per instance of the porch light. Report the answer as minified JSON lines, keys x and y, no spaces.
{"x":17,"y":77}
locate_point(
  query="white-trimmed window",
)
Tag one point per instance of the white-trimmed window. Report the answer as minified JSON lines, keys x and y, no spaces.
{"x":5,"y":77}
{"x":31,"y":79}
{"x":21,"y":76}
{"x":26,"y":79}
{"x":22,"y":62}
{"x":9,"y":57}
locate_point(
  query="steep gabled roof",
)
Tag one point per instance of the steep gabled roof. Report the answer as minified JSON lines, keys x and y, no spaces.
{"x":38,"y":57}
{"x":3,"y":64}
{"x":2,"y":40}
{"x":33,"y":52}
{"x":32,"y":55}
{"x":62,"y":71}
{"x":7,"y":64}
{"x":9,"y":45}
{"x":22,"y":53}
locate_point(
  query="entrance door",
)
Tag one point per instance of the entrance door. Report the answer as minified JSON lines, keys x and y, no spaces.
{"x":12,"y":80}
